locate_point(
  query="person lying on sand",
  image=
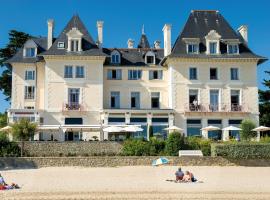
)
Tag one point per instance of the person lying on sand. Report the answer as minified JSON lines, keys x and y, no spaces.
{"x":179,"y":174}
{"x":5,"y":186}
{"x":189,"y":177}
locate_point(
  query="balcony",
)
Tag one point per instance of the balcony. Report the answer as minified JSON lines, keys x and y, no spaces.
{"x":29,"y":96}
{"x":72,"y":106}
{"x":189,"y":108}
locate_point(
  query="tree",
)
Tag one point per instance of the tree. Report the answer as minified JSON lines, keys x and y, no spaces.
{"x":174,"y":143}
{"x":246,"y":133}
{"x":22,"y":131}
{"x":3,"y":119}
{"x":16,"y":41}
{"x":264,"y":98}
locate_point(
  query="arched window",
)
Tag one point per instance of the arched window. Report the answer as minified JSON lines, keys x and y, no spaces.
{"x":150,"y":58}
{"x":115,"y":57}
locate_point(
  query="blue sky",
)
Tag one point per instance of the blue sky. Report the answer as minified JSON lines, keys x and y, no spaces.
{"x":123,"y":19}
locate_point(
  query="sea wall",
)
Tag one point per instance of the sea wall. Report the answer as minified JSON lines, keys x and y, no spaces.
{"x":114,"y":161}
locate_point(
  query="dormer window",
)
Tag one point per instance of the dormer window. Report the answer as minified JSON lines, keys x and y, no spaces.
{"x":60,"y":45}
{"x":30,"y":52}
{"x":212,"y":43}
{"x":192,"y":48}
{"x":74,"y":40}
{"x":150,"y":58}
{"x":115,"y":57}
{"x":232,"y":48}
{"x":213,"y":47}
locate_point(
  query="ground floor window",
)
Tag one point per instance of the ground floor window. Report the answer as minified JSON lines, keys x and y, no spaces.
{"x":159,"y":132}
{"x":216,"y":135}
{"x":194,"y":127}
{"x":142,"y":134}
{"x":73,"y":136}
{"x":236,"y":123}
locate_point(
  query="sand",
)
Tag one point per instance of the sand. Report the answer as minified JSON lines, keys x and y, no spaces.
{"x":138,"y":182}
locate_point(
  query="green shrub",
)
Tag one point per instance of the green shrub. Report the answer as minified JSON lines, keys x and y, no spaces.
{"x":196,"y":143}
{"x":241,"y":150}
{"x":156,"y":146}
{"x":135,"y":147}
{"x":174,"y":143}
{"x":265,"y":139}
{"x":246,"y":133}
{"x":7,"y":148}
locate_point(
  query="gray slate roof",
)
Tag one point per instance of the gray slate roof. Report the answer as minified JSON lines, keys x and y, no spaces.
{"x":143,"y":42}
{"x":41,"y":47}
{"x":133,"y":57}
{"x":89,"y":47}
{"x":198,"y":25}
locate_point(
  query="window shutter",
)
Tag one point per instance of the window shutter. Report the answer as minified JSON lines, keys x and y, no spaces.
{"x":151,"y":75}
{"x":25,"y":76}
{"x":25,"y":92}
{"x":109,"y":74}
{"x":160,"y":74}
{"x":119,"y":74}
{"x":34,"y":75}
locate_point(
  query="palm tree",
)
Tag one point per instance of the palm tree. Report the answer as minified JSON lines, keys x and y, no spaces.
{"x":23,"y":130}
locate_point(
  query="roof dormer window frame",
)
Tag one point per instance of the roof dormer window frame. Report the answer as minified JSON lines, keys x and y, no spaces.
{"x":213,"y":38}
{"x":30,"y":49}
{"x":235,"y":48}
{"x":74,"y":40}
{"x":192,"y":45}
{"x":115,"y":57}
{"x":148,"y":54}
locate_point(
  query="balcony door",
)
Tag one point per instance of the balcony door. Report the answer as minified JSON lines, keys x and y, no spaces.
{"x":73,"y":97}
{"x":214,"y":100}
{"x":235,"y":100}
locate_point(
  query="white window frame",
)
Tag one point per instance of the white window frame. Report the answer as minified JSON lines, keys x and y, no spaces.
{"x":210,"y":74}
{"x":25,"y":52}
{"x":193,"y":52}
{"x":115,"y":53}
{"x":233,"y":53}
{"x":25,"y":94}
{"x":136,"y":77}
{"x":238,"y":69}
{"x":33,"y":75}
{"x":61,"y":45}
{"x":83,"y":75}
{"x":72,"y":74}
{"x":150,"y":53}
{"x":197,"y":74}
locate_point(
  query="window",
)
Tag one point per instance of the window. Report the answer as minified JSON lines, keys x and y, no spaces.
{"x":234,"y":74}
{"x":29,"y":92}
{"x":29,"y":107}
{"x":135,"y":100}
{"x":213,"y":47}
{"x":30,"y":52}
{"x":194,"y":127}
{"x":68,"y":72}
{"x":236,"y":123}
{"x":213,"y":74}
{"x":79,"y":72}
{"x":29,"y":75}
{"x":192,"y":73}
{"x":192,"y":48}
{"x":232,"y":49}
{"x":155,"y":99}
{"x":235,"y":100}
{"x":114,"y":74}
{"x":214,"y":100}
{"x":150,"y":59}
{"x":73,"y":98}
{"x":115,"y":99}
{"x":193,"y":100}
{"x":155,"y":74}
{"x":115,"y":59}
{"x":74,"y":45}
{"x":134,"y":74}
{"x":60,"y":45}
{"x":216,"y":134}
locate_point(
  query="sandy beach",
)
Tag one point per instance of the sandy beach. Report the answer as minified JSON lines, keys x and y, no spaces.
{"x":138,"y":182}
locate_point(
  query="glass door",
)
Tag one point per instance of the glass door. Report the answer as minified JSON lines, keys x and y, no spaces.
{"x":214,"y":100}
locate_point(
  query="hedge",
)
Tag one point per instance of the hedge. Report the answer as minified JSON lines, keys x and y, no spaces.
{"x":241,"y":150}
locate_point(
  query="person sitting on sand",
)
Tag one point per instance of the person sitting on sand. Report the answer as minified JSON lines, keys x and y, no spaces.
{"x":179,"y":174}
{"x":189,"y":177}
{"x":2,"y":181}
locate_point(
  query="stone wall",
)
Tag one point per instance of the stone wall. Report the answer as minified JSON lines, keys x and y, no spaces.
{"x":113,"y":161}
{"x":57,"y":149}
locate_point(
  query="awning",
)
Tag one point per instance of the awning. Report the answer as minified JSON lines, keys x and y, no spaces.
{"x":48,"y":127}
{"x":80,"y":127}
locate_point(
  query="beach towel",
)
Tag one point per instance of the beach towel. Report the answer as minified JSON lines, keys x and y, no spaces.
{"x":173,"y":180}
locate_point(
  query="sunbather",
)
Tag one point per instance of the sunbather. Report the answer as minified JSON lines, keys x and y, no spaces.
{"x":189,"y":177}
{"x":2,"y":181}
{"x":179,"y":174}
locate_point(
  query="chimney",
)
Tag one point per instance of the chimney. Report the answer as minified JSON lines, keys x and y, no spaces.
{"x":50,"y":23}
{"x":243,"y":30}
{"x":130,"y":43}
{"x":100,"y":32}
{"x":157,"y":44}
{"x":167,"y":39}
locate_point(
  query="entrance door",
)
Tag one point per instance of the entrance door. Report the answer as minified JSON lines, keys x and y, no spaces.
{"x":69,"y":136}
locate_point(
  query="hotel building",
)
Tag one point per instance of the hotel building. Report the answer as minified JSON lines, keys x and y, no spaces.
{"x":73,"y":86}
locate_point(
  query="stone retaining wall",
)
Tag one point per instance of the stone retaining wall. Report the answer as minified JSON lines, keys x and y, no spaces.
{"x":57,"y":149}
{"x":113,"y":161}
